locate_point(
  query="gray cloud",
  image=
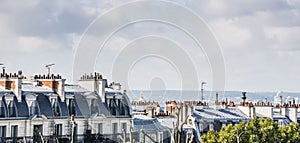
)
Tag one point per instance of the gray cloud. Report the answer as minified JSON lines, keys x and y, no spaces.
{"x":259,"y":38}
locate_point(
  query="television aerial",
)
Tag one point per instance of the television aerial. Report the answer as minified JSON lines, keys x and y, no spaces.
{"x":48,"y":66}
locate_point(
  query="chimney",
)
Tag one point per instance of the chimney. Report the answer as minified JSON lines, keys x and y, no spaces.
{"x":244,"y":97}
{"x":18,"y":86}
{"x":13,"y":83}
{"x":94,"y":83}
{"x":3,"y":71}
{"x":116,"y":86}
{"x":150,"y":112}
{"x":217,"y":100}
{"x":290,"y":112}
{"x":56,"y":83}
{"x":60,"y":89}
{"x":264,"y":109}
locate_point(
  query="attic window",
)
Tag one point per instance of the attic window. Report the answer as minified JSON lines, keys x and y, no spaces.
{"x":71,"y":107}
{"x":34,"y":108}
{"x":2,"y":109}
{"x":12,"y":110}
{"x":56,"y":109}
{"x":280,"y":123}
{"x":94,"y":107}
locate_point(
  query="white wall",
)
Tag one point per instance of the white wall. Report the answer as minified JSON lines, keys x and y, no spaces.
{"x":291,"y":113}
{"x":267,"y":111}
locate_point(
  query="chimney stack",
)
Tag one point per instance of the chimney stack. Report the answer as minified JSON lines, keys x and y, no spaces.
{"x":56,"y":83}
{"x":244,"y":97}
{"x":95,"y":83}
{"x":217,"y":100}
{"x":12,"y":82}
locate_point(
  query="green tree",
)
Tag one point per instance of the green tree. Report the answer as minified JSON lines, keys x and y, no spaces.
{"x":227,"y":134}
{"x":289,"y":134}
{"x":256,"y":131}
{"x":210,"y":137}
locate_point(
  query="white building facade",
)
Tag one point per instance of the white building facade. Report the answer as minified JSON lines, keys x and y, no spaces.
{"x":44,"y":108}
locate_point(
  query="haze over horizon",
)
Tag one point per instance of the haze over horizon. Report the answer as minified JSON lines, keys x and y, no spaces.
{"x":259,"y":41}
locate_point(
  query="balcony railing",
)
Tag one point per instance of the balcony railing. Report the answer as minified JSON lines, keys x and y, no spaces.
{"x":92,"y":138}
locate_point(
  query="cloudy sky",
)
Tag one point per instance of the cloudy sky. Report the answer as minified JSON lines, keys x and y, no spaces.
{"x":259,"y":42}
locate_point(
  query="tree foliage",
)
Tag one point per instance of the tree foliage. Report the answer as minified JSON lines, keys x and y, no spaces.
{"x":255,"y":131}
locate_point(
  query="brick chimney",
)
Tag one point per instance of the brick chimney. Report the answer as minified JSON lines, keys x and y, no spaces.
{"x":56,"y":83}
{"x":12,"y":82}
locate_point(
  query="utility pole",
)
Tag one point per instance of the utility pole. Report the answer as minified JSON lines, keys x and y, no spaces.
{"x":49,"y":68}
{"x":202,"y":89}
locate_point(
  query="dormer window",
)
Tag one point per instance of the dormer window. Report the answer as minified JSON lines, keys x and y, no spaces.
{"x":55,"y":108}
{"x":94,"y":107}
{"x":71,"y":107}
{"x":280,"y":122}
{"x":211,"y":127}
{"x":121,"y":108}
{"x":34,"y":108}
{"x":2,"y":109}
{"x":112,"y":107}
{"x":12,"y":110}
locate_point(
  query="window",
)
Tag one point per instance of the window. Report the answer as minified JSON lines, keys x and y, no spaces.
{"x":56,"y":109}
{"x":72,"y":107}
{"x":160,"y":139}
{"x":34,"y":108}
{"x":211,"y":126}
{"x":2,"y":109}
{"x":2,"y":131}
{"x":12,"y":109}
{"x":121,"y":108}
{"x":14,"y":131}
{"x":100,"y":128}
{"x":37,"y":132}
{"x":280,"y":123}
{"x":94,"y":107}
{"x":58,"y":130}
{"x":115,"y":128}
{"x":112,"y":107}
{"x":124,"y":127}
{"x":200,"y":127}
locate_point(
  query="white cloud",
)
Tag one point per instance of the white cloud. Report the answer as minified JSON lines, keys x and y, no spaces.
{"x":35,"y":45}
{"x":231,"y":33}
{"x":294,"y":3}
{"x":284,"y":38}
{"x":251,"y":33}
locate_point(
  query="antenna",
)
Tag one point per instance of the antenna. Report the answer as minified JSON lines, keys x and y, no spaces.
{"x":49,"y":67}
{"x":3,"y":68}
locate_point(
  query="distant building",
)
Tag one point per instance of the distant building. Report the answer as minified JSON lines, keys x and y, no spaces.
{"x":42,"y":107}
{"x":143,"y":107}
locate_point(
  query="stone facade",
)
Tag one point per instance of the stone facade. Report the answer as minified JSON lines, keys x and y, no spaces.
{"x":45,"y":108}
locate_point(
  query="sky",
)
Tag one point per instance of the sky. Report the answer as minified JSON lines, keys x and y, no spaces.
{"x":259,"y":41}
